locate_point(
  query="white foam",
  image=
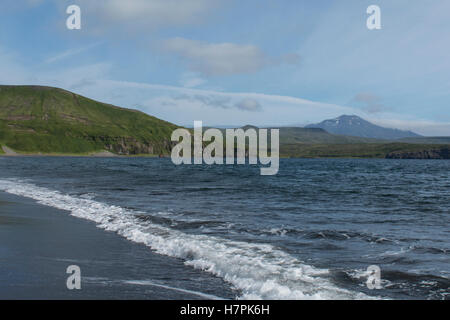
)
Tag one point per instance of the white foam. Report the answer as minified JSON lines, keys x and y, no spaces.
{"x":276,"y":231}
{"x":259,"y":271}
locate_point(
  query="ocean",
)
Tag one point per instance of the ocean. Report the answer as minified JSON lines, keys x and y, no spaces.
{"x":309,"y":232}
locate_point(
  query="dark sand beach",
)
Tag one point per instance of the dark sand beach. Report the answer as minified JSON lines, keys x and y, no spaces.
{"x":38,"y":243}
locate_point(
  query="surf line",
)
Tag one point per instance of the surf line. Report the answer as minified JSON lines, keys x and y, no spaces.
{"x":236,"y":140}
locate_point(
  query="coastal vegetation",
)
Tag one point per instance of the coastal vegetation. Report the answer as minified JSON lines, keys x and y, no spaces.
{"x":51,"y":121}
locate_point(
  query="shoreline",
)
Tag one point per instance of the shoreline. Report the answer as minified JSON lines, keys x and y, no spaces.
{"x":75,"y":155}
{"x":431,"y":154}
{"x":38,"y":243}
{"x":7,"y":152}
{"x":116,"y":156}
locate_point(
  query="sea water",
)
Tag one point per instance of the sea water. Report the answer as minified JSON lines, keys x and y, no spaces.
{"x":309,"y":232}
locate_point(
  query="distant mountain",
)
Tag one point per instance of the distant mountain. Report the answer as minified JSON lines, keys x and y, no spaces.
{"x":356,"y":126}
{"x":36,"y":119}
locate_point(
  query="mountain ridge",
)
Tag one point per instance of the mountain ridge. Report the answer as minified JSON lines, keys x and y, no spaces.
{"x":352,"y":125}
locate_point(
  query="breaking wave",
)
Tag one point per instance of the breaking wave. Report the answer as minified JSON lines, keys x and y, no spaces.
{"x":258,"y":271}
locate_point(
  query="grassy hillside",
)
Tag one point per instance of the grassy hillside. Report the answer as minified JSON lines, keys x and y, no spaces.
{"x":427,"y":140}
{"x":50,"y":120}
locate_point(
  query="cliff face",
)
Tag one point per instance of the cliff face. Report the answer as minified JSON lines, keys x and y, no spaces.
{"x":131,"y":146}
{"x":443,"y":153}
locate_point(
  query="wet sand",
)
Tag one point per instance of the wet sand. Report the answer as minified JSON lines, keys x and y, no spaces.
{"x":38,"y":243}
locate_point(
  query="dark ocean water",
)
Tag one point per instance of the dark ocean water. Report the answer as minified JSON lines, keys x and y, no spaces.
{"x":309,"y":232}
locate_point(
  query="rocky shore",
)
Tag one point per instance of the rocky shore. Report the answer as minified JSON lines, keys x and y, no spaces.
{"x":443,"y":153}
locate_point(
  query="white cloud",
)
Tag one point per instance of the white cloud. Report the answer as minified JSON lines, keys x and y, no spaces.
{"x":369,"y":102}
{"x":249,"y":105}
{"x":144,"y":14}
{"x":173,"y":11}
{"x":115,"y":16}
{"x":184,"y":105}
{"x":423,"y":127}
{"x":191,"y":80}
{"x":214,"y":100}
{"x":215,"y":59}
{"x":210,"y":100}
{"x":366,"y":97}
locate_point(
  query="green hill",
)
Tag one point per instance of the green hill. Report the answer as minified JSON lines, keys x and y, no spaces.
{"x":35,"y":119}
{"x":297,"y":135}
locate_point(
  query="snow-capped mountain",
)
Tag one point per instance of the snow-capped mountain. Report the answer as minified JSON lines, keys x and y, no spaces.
{"x":356,"y":126}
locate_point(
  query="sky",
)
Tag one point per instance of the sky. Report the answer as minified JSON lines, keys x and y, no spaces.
{"x":228,"y":62}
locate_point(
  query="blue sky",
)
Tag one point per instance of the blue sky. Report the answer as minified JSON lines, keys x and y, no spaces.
{"x":228,"y":62}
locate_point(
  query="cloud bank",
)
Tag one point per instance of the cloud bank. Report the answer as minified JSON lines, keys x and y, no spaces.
{"x":219,"y":59}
